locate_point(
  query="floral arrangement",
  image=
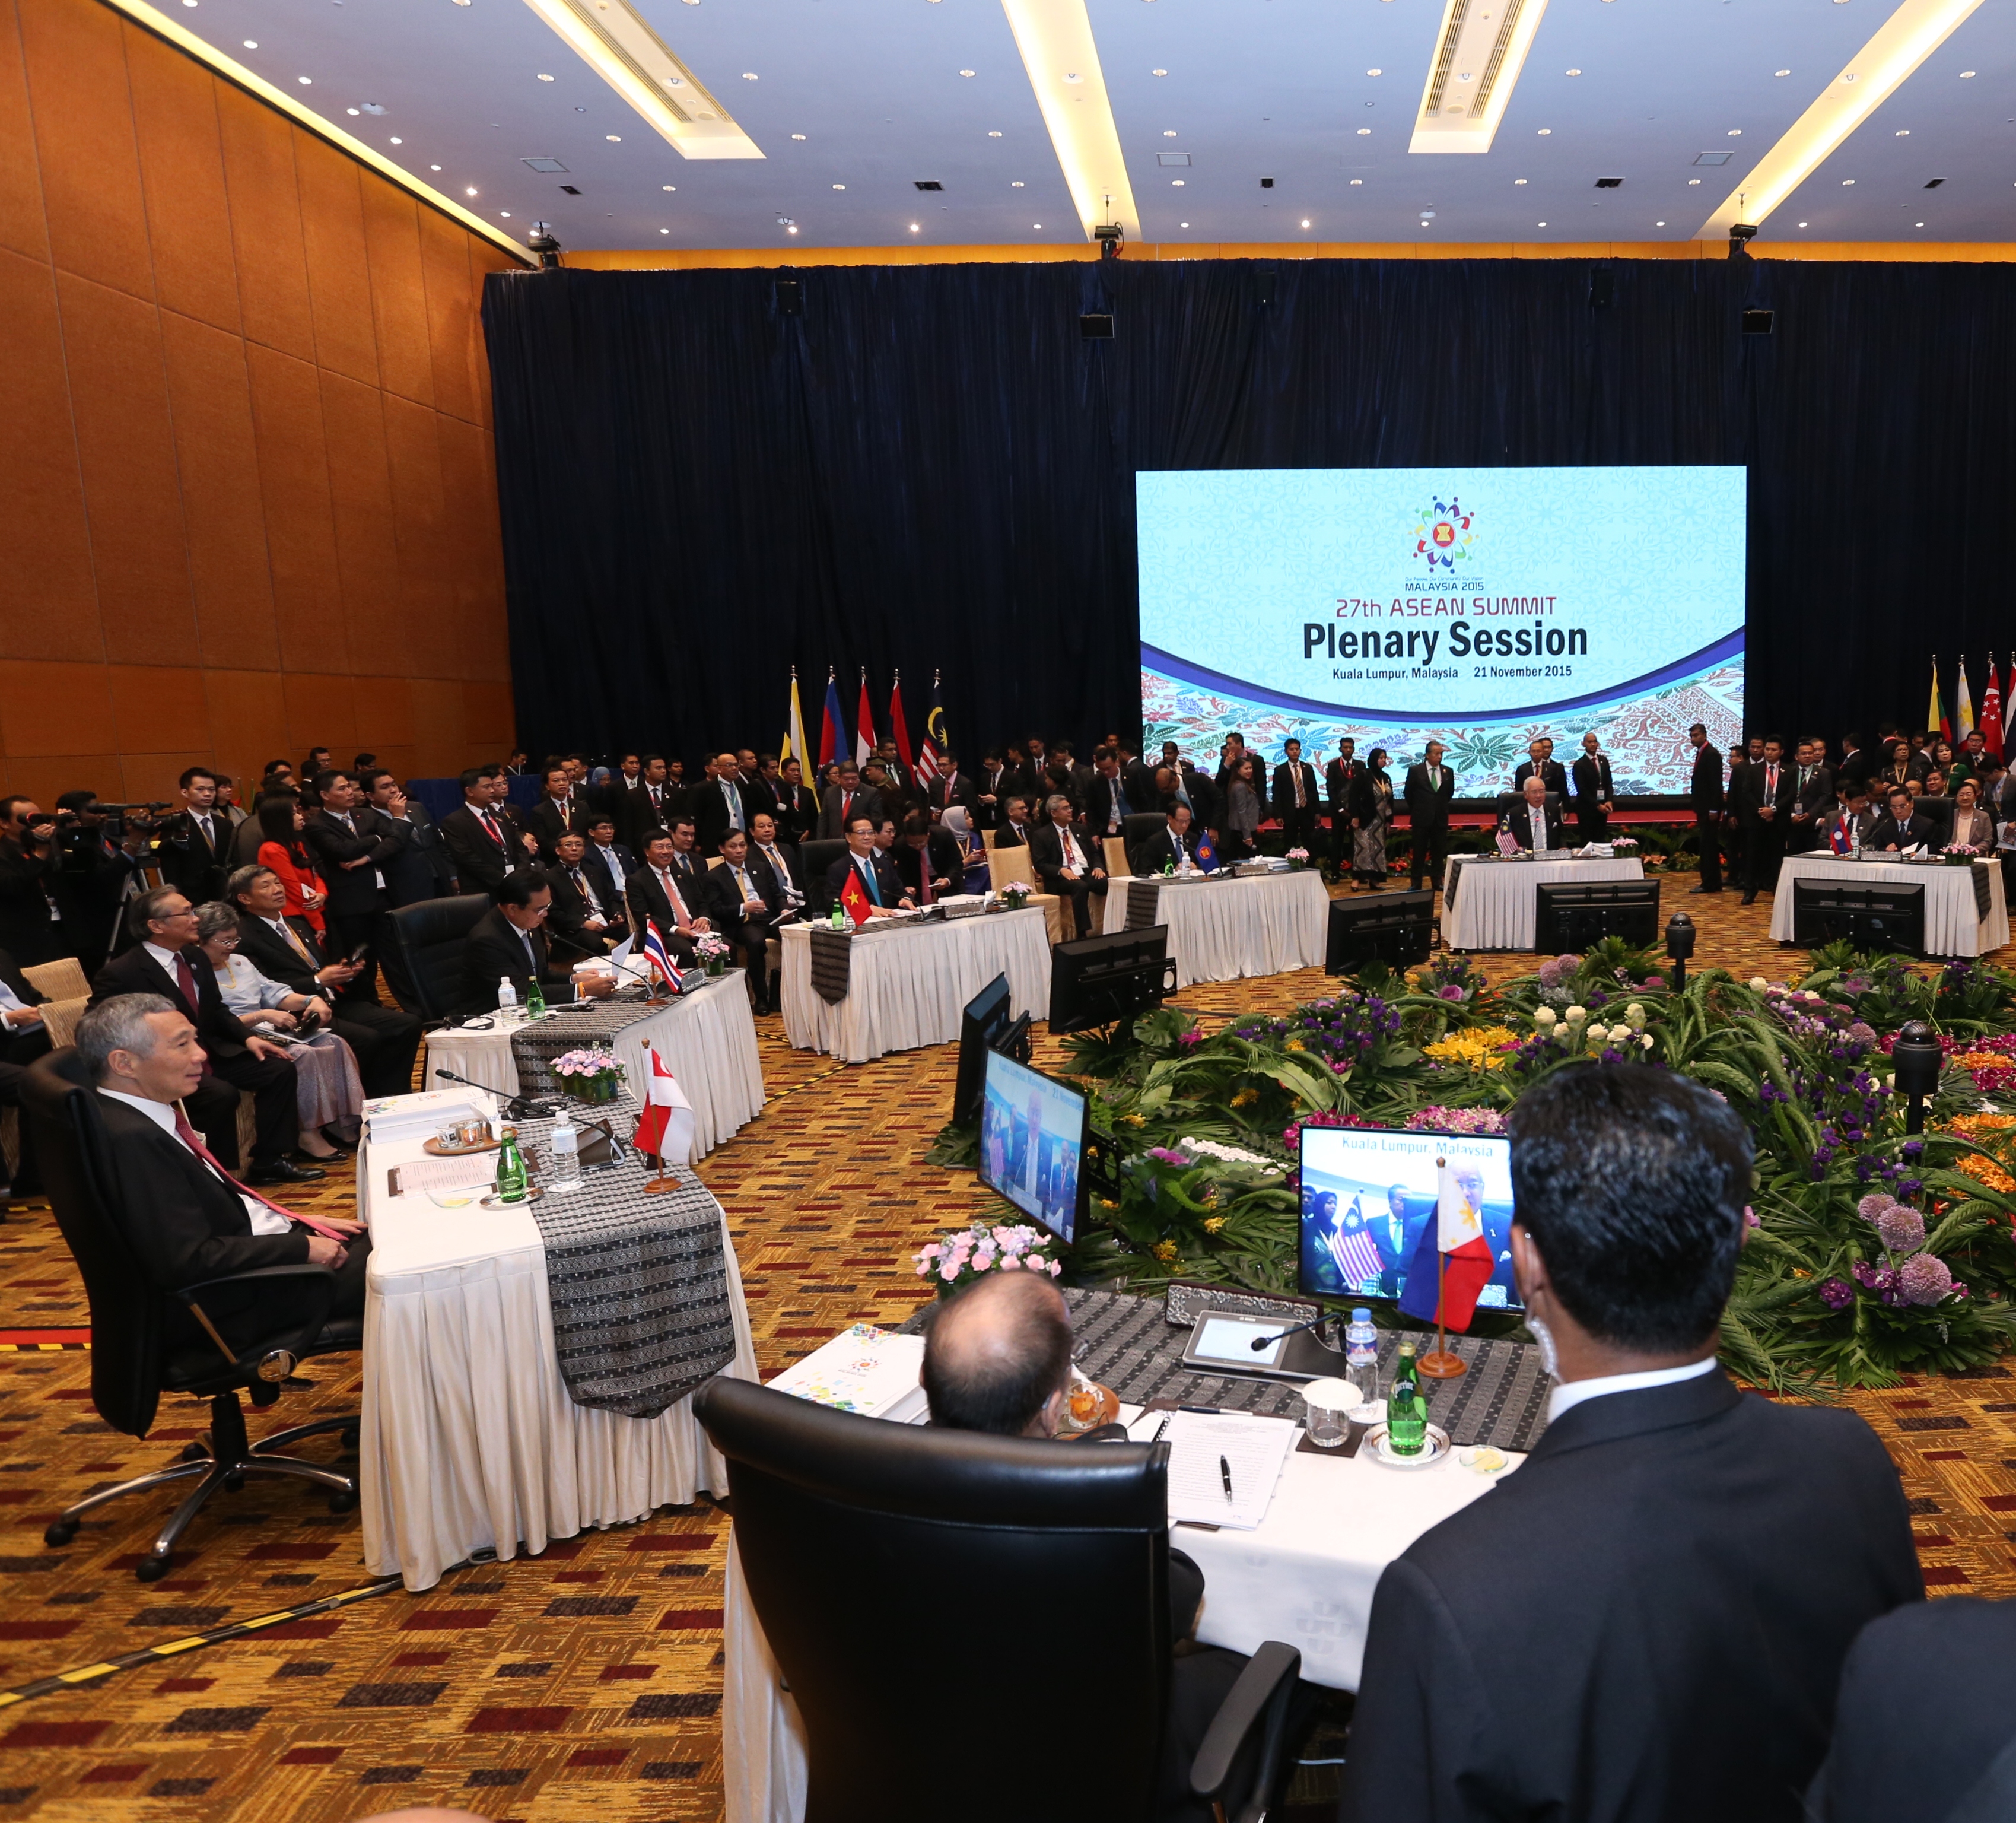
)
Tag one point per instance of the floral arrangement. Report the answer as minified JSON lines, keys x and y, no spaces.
{"x":589,"y":1075}
{"x":1960,"y":854}
{"x":1624,"y":844}
{"x":1449,"y":976}
{"x":1015,"y":894}
{"x":961,"y":1257}
{"x":1436,"y":1119}
{"x":1482,"y":1048}
{"x":1342,"y":1033}
{"x":1230,"y":1155}
{"x":1298,"y":857}
{"x":711,"y":948}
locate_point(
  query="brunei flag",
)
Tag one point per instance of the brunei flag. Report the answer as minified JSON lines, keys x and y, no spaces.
{"x":1452,"y":1258}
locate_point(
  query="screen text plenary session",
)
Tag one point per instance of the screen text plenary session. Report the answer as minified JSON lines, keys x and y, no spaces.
{"x":1325,"y":639}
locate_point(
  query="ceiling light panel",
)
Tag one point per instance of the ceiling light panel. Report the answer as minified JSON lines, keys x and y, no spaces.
{"x":1063,"y":63}
{"x":612,"y":38}
{"x":1473,"y":71}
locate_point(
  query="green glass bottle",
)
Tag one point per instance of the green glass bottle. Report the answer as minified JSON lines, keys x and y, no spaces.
{"x":535,"y":1000}
{"x":1406,"y":1416}
{"x":511,"y":1177}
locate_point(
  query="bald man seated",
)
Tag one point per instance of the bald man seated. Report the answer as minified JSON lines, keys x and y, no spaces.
{"x":998,"y":1359}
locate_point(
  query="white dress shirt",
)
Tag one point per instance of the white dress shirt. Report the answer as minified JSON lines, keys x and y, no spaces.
{"x":264,"y":1220}
{"x":168,"y":960}
{"x":1566,"y":1397}
{"x":610,"y":861}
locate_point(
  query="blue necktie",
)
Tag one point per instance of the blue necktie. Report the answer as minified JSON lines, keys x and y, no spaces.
{"x":874,"y":886}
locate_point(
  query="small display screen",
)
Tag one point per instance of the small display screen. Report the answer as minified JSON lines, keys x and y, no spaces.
{"x":1226,"y":1338}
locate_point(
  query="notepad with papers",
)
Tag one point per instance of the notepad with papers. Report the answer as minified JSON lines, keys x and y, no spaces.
{"x":1207,"y":1449}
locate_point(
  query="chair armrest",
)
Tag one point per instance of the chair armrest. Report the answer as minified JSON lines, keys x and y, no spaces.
{"x":296,"y":1268}
{"x":1260,"y":1700}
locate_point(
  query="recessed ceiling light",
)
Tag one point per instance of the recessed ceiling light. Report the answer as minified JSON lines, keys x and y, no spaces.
{"x":305,"y":81}
{"x":1017,"y":185}
{"x":1781,"y":72}
{"x":965,"y":72}
{"x":665,"y":231}
{"x":470,"y":191}
{"x":1692,"y":182}
{"x":1846,"y":182}
{"x":252,"y":44}
{"x":1575,"y":72}
{"x":1159,"y":72}
{"x":1802,"y":223}
{"x":749,"y":76}
{"x":506,"y":215}
{"x":1182,"y":225}
{"x":913,"y":228}
{"x":1073,"y":76}
{"x":397,"y":140}
{"x":1545,"y":131}
{"x":797,"y":135}
{"x":1921,"y":224}
{"x":1356,"y":180}
{"x":352,"y":110}
{"x":1904,"y":133}
{"x":793,"y":228}
{"x":1168,"y":132}
{"x":994,"y":133}
{"x":544,"y":77}
{"x":189,"y":2}
{"x":1375,"y":72}
{"x":1658,"y":224}
{"x":1176,"y":182}
{"x":614,"y":138}
{"x":839,"y":186}
{"x":1364,"y":132}
{"x":1036,"y":225}
{"x":1518,"y":180}
{"x":668,"y":187}
{"x":1305,"y":224}
{"x":1540,"y":224}
{"x":434,"y":167}
{"x":1964,"y":74}
{"x":1736,"y":132}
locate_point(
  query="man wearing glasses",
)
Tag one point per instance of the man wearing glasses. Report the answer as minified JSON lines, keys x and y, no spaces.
{"x":509,"y":942}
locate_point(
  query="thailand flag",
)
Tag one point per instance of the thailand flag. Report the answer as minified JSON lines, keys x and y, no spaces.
{"x":1463,"y":1266}
{"x":656,"y":959}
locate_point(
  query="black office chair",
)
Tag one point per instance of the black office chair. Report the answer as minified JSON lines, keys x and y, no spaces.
{"x":1940,"y":810}
{"x":1137,"y":826}
{"x":815,"y":858}
{"x":896,"y":1569}
{"x":131,"y":1366}
{"x":424,"y":958}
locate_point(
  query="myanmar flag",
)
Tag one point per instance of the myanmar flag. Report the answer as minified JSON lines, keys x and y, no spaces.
{"x":1463,"y":1266}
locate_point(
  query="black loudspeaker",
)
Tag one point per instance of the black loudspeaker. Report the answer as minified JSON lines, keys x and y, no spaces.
{"x":1758,"y":323}
{"x":1870,"y":918}
{"x":1097,"y":326}
{"x":1602,"y":287}
{"x":1398,"y":929}
{"x":1568,"y":919}
{"x":790,"y":297}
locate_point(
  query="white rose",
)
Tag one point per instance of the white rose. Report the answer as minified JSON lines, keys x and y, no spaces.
{"x":1758,"y":982}
{"x":1544,"y":1019}
{"x":1634,"y":1012}
{"x":1576,"y":1015}
{"x":1647,"y":1041}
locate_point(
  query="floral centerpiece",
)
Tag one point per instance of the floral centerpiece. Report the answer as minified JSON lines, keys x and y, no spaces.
{"x":1960,"y":854}
{"x":1297,"y":859}
{"x":957,"y":1259}
{"x":1015,"y":894}
{"x":711,"y":948}
{"x":589,"y":1076}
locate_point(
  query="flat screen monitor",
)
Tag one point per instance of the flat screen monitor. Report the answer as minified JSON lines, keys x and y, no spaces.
{"x":1119,"y":974}
{"x":984,"y":1021}
{"x":1369,"y":1192}
{"x":1032,"y":1133}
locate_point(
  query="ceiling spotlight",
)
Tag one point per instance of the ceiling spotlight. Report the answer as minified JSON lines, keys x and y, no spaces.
{"x":1802,"y":223}
{"x":252,"y":44}
{"x":1017,"y":185}
{"x":665,"y":231}
{"x":749,"y":76}
{"x":994,"y":133}
{"x":1545,"y":131}
{"x":1575,"y":72}
{"x":1692,"y":182}
{"x":1781,"y":72}
{"x":1375,"y":72}
{"x":1921,"y":224}
{"x":1168,"y":132}
{"x":397,"y":140}
{"x":1176,"y":183}
{"x":793,"y":228}
{"x":839,"y":186}
{"x":614,"y":138}
{"x":1159,"y":72}
{"x":797,"y":135}
{"x":1036,"y":225}
{"x":1356,"y":180}
{"x":1182,"y":225}
{"x":668,"y":187}
{"x":1964,"y":74}
{"x":1364,"y":132}
{"x":1540,"y":224}
{"x":352,"y":110}
{"x":965,"y":72}
{"x":1073,"y":76}
{"x":434,"y":167}
{"x":544,"y":78}
{"x":913,"y":228}
{"x":1736,"y":132}
{"x":506,"y":215}
{"x":1904,"y":133}
{"x":1305,"y":223}
{"x":470,"y":191}
{"x":305,"y":81}
{"x":1846,"y":182}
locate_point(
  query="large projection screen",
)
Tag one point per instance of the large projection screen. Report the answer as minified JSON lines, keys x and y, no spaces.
{"x":1479,"y":607}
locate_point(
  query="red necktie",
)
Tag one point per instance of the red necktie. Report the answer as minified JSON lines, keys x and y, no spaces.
{"x":490,"y":823}
{"x":187,"y":1134}
{"x":185,"y":980}
{"x":1770,"y":781}
{"x":846,"y":800}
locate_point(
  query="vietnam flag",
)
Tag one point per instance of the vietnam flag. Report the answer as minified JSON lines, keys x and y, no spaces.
{"x":665,"y":1128}
{"x":854,"y":898}
{"x":1451,"y":1256}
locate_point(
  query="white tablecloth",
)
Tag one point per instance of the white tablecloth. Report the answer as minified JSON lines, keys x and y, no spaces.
{"x":469,"y":1440}
{"x":1265,"y":923}
{"x":707,"y":1038}
{"x":1953,"y":926}
{"x":907,"y":987}
{"x":1304,"y":1577}
{"x":1497,"y":902}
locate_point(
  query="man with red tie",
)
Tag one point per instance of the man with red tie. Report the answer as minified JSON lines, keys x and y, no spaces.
{"x":1770,"y":790}
{"x":484,"y":837}
{"x":167,"y":962}
{"x":848,"y":799}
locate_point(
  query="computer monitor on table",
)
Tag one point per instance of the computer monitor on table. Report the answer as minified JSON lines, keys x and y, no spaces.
{"x":1368,"y":1193}
{"x":1032,"y":1135}
{"x":985,"y":1019}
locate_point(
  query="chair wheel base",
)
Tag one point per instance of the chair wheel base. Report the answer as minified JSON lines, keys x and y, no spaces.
{"x":60,"y":1533}
{"x":343,"y":1503}
{"x":151,"y":1569}
{"x":194,"y":1453}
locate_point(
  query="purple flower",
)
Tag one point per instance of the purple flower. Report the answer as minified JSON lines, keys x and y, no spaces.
{"x":1450,"y":994}
{"x":1750,"y":1218}
{"x":1168,"y":1157}
{"x":1900,"y":1231}
{"x":1861,"y":1034}
{"x":1193,"y":1036}
{"x":1837,"y":1294}
{"x":1923,"y":1279}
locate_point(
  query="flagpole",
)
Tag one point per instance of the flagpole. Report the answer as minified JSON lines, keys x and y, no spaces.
{"x":1438,"y":1363}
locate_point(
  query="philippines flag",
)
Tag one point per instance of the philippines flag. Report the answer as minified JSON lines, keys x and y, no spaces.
{"x":655,"y":958}
{"x":1464,"y":1268}
{"x":665,"y":1128}
{"x":864,"y":726}
{"x":832,"y":736}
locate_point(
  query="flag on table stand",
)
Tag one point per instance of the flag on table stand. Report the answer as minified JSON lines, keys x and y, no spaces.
{"x":665,"y":1128}
{"x":934,"y":743}
{"x":1935,"y":714}
{"x":854,"y":898}
{"x":1452,"y":1259}
{"x":864,"y":726}
{"x":898,"y":731}
{"x":1207,"y":853}
{"x":832,"y":736}
{"x":1991,"y":711}
{"x":655,"y":958}
{"x":1962,"y":706}
{"x":794,"y":728}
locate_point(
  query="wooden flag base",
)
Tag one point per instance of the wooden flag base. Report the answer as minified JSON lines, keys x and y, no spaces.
{"x":659,"y":1183}
{"x":1438,"y":1363}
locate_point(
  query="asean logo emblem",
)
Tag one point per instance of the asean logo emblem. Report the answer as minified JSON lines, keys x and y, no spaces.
{"x":1445,"y":534}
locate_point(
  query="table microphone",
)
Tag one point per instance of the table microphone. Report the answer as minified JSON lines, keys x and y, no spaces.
{"x":517,"y":1106}
{"x":1262,"y":1342}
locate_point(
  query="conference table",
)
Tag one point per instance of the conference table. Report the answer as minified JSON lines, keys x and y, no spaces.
{"x":1222,"y":928}
{"x":908,"y":981}
{"x":707,"y":1036}
{"x":1493,"y":904}
{"x":470,"y":1439}
{"x":1960,"y":920}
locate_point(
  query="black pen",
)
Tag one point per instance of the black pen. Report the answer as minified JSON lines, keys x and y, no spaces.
{"x":1225,"y":1475}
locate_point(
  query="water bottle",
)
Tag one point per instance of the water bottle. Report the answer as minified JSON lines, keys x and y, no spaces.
{"x":513,"y":1179}
{"x":1361,"y":1355}
{"x":564,"y":1142}
{"x":507,"y":1000}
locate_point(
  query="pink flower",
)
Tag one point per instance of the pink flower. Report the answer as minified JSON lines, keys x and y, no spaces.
{"x":948,"y":1271}
{"x":1055,"y":1267}
{"x":1009,"y":1262}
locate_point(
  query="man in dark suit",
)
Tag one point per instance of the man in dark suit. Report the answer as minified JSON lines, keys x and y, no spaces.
{"x":928,"y":858}
{"x":687,"y":861}
{"x":607,"y":861}
{"x":484,"y":838}
{"x":743,"y":903}
{"x":840,"y":804}
{"x":1852,"y":825}
{"x":1295,"y":796}
{"x":586,"y":912}
{"x":781,"y":858}
{"x":648,"y":805}
{"x":1855,"y":762}
{"x":1395,"y":1230}
{"x":1595,"y":795}
{"x":422,"y":869}
{"x":762,"y":789}
{"x":353,"y":846}
{"x":796,"y":814}
{"x":1648,"y":1621}
{"x":29,"y":929}
{"x":194,"y":844}
{"x":1171,"y":846}
{"x":94,"y":877}
{"x":879,"y":880}
{"x":167,"y":961}
{"x":185,"y":1220}
{"x":991,"y":787}
{"x":1535,"y":820}
{"x":290,"y":951}
{"x":611,"y":795}
{"x":721,"y":805}
{"x":1704,"y":794}
{"x":1540,"y":758}
{"x":509,"y":941}
{"x":952,"y":787}
{"x":1067,"y":865}
{"x":1903,"y":825}
{"x":23,"y":1039}
{"x":559,"y":809}
{"x":1013,"y":831}
{"x":1109,"y":800}
{"x":1765,"y":795}
{"x":1430,"y":787}
{"x":668,"y":897}
{"x":1813,"y":797}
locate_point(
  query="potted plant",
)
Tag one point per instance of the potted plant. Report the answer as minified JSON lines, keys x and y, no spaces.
{"x":711,"y":948}
{"x":1015,"y":894}
{"x":589,"y":1075}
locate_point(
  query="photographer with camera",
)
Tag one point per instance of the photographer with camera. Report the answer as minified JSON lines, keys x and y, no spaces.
{"x":29,"y":930}
{"x":100,"y":850}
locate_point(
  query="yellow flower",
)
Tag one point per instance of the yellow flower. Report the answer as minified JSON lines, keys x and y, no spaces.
{"x":1978,"y":1165}
{"x":1106,"y":1202}
{"x":1134,"y":1119}
{"x":1246,"y":1097}
{"x":1213,"y":1224}
{"x":1165,"y":1251}
{"x":1483,"y":1048}
{"x":1295,"y":1044}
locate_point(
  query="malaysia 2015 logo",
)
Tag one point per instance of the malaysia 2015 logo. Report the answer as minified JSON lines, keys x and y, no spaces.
{"x":1445,"y":534}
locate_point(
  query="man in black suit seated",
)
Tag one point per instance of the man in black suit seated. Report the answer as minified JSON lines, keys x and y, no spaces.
{"x":1012,"y":831}
{"x":586,"y":912}
{"x":23,"y":1039}
{"x":1065,"y":862}
{"x":1540,"y":759}
{"x":1851,"y":825}
{"x":879,"y":880}
{"x":797,"y":815}
{"x":1535,"y":820}
{"x":929,"y":860}
{"x":1430,"y":786}
{"x":510,"y":939}
{"x":558,"y":810}
{"x":1595,"y":794}
{"x":607,"y":861}
{"x":1903,"y":825}
{"x":1924,"y":1730}
{"x":721,"y":805}
{"x":998,"y":1360}
{"x":1170,"y":847}
{"x":484,"y":838}
{"x":1766,"y":795}
{"x":290,"y":951}
{"x":354,"y":845}
{"x":185,"y":1220}
{"x":743,"y":903}
{"x":687,"y":861}
{"x":781,"y":858}
{"x":663,"y":895}
{"x":166,"y":960}
{"x":1648,"y":1620}
{"x":194,"y":843}
{"x":1295,"y":796}
{"x":422,"y":869}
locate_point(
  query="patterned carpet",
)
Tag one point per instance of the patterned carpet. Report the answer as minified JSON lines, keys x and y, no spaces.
{"x":586,"y":1682}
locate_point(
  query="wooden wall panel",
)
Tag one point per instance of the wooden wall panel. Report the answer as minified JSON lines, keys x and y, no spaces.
{"x":246,"y":452}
